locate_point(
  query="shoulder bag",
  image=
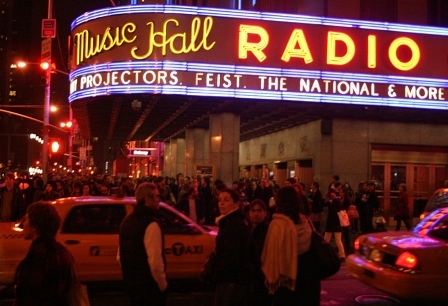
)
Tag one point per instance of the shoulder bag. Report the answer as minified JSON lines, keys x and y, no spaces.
{"x":343,"y":218}
{"x":208,"y":273}
{"x":327,"y":260}
{"x":77,"y":295}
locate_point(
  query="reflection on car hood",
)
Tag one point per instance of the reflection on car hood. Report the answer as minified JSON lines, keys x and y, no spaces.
{"x":409,"y":240}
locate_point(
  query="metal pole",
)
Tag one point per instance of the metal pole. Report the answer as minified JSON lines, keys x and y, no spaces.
{"x":70,"y":142}
{"x":46,"y":109}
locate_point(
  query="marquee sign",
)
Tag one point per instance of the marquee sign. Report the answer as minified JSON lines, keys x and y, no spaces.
{"x":201,"y":51}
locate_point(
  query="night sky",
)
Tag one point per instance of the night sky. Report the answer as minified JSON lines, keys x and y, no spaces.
{"x":64,"y":11}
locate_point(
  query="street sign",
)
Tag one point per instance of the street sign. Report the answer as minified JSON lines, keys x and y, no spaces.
{"x":82,"y":153}
{"x":48,"y":28}
{"x":46,"y":50}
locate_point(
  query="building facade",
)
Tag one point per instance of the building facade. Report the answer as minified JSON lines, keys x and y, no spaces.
{"x":377,"y":148}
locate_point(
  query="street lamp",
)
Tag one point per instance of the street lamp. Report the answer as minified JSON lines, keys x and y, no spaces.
{"x":46,"y":81}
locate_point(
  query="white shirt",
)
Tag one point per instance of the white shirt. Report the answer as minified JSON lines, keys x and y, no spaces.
{"x":154,"y":248}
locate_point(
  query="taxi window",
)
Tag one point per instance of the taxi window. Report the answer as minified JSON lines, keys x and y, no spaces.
{"x":440,"y":228}
{"x":94,"y":219}
{"x":173,"y":223}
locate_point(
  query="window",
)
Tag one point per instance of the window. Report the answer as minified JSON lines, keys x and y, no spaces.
{"x":94,"y":219}
{"x":172,"y":223}
{"x":440,"y":229}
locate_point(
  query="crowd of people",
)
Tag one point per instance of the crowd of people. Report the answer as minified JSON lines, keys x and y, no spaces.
{"x":263,"y":254}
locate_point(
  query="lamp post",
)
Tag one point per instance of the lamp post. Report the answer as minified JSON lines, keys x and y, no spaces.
{"x":46,"y":103}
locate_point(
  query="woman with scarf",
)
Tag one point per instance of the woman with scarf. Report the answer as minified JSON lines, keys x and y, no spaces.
{"x":232,"y":251}
{"x":287,"y":261}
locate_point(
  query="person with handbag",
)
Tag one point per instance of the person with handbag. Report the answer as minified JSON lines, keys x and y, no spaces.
{"x":346,"y":203}
{"x":44,"y":277}
{"x":232,"y":262}
{"x":288,"y":262}
{"x":333,"y":226}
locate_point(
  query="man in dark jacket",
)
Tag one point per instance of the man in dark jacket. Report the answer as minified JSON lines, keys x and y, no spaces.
{"x":141,"y":245}
{"x":44,"y":277}
{"x":12,"y":205}
{"x":258,"y":217}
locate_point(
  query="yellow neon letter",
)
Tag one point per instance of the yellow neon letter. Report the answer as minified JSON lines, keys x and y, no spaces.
{"x":256,"y":48}
{"x":332,"y":59}
{"x":297,"y":37}
{"x":404,"y":41}
{"x":371,"y":53}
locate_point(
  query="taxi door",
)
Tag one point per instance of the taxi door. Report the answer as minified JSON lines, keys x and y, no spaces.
{"x":90,"y":232}
{"x":187,"y":245}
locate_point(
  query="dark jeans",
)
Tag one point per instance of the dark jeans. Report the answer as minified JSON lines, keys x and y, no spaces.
{"x":346,"y":240}
{"x":366,"y":220}
{"x":231,"y":294}
{"x":405,"y":220}
{"x":354,"y":224}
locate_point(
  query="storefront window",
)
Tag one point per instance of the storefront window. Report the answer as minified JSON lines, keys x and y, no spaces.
{"x":421,"y":188}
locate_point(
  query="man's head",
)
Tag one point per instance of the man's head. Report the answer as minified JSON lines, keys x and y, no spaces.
{"x":41,"y":220}
{"x":257,"y":212}
{"x":148,"y":194}
{"x":104,"y":189}
{"x":161,"y":181}
{"x":9,"y":180}
{"x":193,"y":193}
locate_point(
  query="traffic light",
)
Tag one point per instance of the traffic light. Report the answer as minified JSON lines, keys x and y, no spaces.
{"x":45,"y":76}
{"x":45,"y":65}
{"x":55,"y":146}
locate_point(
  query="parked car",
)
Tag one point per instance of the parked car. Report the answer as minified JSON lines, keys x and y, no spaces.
{"x":408,"y":265}
{"x":438,"y":199}
{"x":89,"y":230}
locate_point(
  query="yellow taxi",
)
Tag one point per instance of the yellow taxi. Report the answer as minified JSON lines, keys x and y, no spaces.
{"x":408,"y":265}
{"x":90,"y":228}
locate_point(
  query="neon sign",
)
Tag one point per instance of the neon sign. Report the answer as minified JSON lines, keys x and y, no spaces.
{"x":141,"y":152}
{"x":232,"y":53}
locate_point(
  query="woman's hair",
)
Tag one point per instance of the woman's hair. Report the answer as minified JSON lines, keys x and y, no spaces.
{"x":346,"y":192}
{"x":258,"y":202}
{"x":288,"y":203}
{"x":90,"y":188}
{"x":233,"y":193}
{"x":45,"y":218}
{"x":51,"y":183}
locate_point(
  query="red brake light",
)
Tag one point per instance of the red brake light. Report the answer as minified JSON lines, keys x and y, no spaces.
{"x":356,"y":245}
{"x":407,"y":260}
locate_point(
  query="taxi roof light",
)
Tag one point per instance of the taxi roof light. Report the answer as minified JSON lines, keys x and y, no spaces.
{"x":407,"y":260}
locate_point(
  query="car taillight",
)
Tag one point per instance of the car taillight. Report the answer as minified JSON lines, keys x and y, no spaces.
{"x":407,"y":260}
{"x":356,"y":245}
